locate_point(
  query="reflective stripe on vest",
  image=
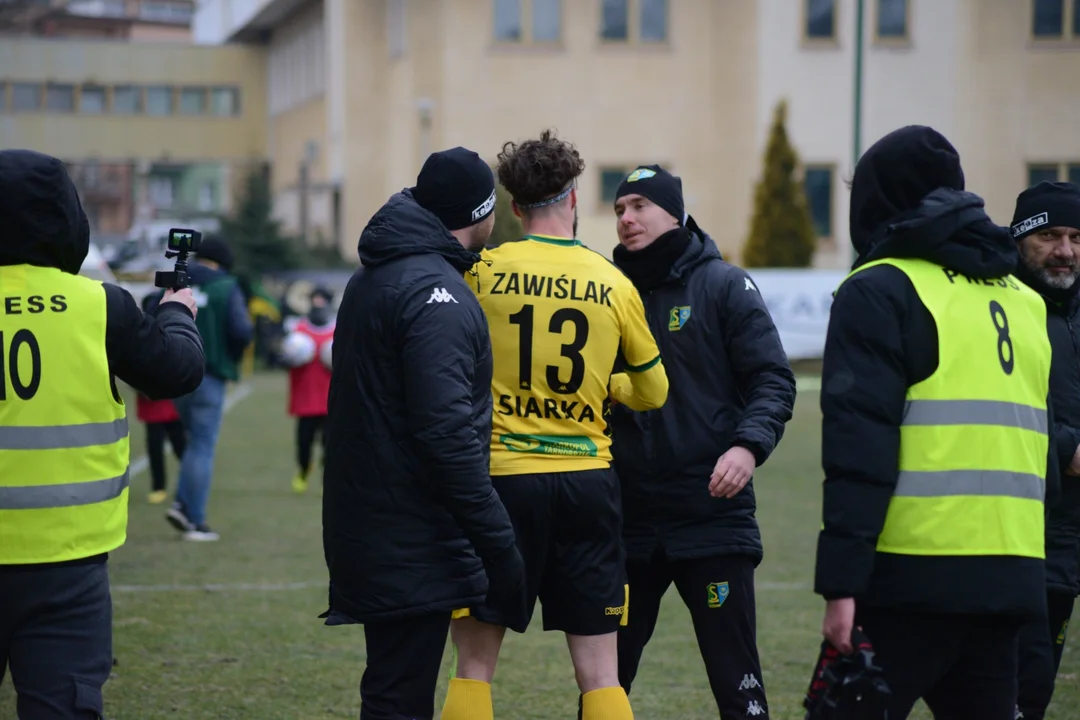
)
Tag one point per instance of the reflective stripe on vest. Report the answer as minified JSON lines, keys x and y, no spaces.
{"x":64,"y":444}
{"x":974,"y":438}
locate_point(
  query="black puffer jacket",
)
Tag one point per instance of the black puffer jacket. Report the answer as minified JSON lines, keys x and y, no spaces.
{"x":1063,"y":524}
{"x":730,"y":384}
{"x":882,"y":340}
{"x":408,"y":507}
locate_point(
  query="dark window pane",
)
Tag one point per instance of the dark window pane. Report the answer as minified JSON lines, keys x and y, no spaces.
{"x":26,"y":96}
{"x":507,"y":20}
{"x":225,"y":101}
{"x":610,"y":180}
{"x":654,"y":20}
{"x":818,"y":183}
{"x":126,"y":100}
{"x":158,"y":101}
{"x":1049,"y":18}
{"x":820,"y":20}
{"x":60,"y":98}
{"x":92,"y":99}
{"x":892,"y":18}
{"x":615,"y":20}
{"x":546,"y":23}
{"x":1076,"y":17}
{"x":192,"y":101}
{"x":1074,"y":174}
{"x":1042,"y":173}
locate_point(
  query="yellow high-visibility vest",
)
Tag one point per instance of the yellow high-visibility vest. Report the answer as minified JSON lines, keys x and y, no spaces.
{"x":974,"y":439}
{"x":63,"y":434}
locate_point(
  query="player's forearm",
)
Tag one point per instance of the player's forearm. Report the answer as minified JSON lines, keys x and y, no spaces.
{"x":641,"y":391}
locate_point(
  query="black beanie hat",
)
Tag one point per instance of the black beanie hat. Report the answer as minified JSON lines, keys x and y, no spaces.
{"x":215,"y":249}
{"x":1047,"y":205}
{"x":659,"y":186}
{"x":457,"y":187}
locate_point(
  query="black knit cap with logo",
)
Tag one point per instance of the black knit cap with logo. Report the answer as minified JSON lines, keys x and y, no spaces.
{"x":1047,"y":205}
{"x":658,"y":185}
{"x":457,"y":186}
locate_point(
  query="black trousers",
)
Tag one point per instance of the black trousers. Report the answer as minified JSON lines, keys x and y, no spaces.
{"x":962,"y":666}
{"x":306,"y":428}
{"x":719,"y":592}
{"x":56,"y":637}
{"x":403,"y":659}
{"x":1042,"y":641}
{"x":156,"y":434}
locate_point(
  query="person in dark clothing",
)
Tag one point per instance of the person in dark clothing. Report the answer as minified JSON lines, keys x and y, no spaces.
{"x":686,"y":469}
{"x":412,"y":528}
{"x":1046,"y":226}
{"x":162,"y":422}
{"x":226,"y":329}
{"x":63,"y":426}
{"x":935,"y":443}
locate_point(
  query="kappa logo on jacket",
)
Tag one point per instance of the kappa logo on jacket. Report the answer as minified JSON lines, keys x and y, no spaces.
{"x":440,"y":295}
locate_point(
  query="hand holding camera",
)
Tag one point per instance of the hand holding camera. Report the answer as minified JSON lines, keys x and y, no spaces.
{"x":184,"y":297}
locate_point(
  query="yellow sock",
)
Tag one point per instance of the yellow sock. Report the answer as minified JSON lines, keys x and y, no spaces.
{"x":608,"y":703}
{"x":468,"y":700}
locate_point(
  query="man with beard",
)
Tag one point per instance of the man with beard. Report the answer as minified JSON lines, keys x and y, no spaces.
{"x":412,"y":529}
{"x":687,"y":469}
{"x":935,"y":440}
{"x":559,"y":315}
{"x":1046,"y":225}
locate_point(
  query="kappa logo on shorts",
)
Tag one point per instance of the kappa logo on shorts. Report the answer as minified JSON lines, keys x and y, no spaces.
{"x":717,"y":593}
{"x":615,"y":610}
{"x":754,"y":709}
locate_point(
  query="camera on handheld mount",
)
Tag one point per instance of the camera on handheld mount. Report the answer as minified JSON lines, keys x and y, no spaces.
{"x":181,"y":243}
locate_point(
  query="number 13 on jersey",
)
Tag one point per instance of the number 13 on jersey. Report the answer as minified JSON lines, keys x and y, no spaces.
{"x":560,"y":320}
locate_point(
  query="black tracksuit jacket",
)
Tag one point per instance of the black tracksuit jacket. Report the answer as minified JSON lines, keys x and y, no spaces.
{"x":409,"y":512}
{"x":729,"y":384}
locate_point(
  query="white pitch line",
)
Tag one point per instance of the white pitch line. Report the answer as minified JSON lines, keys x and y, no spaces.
{"x":242,"y":391}
{"x":280,"y":587}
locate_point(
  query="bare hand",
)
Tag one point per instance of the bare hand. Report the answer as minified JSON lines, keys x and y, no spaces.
{"x":184,"y":297}
{"x":732,"y":472}
{"x":839,"y":622}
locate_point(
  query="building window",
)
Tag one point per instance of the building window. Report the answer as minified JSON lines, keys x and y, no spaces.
{"x":1042,"y":173}
{"x":159,"y":100}
{"x":892,"y":19}
{"x":546,"y":20}
{"x":206,"y":198}
{"x":508,"y":20}
{"x":193,"y":101}
{"x":25,"y":96}
{"x":60,"y":98}
{"x":126,"y":100}
{"x":610,"y":179}
{"x":818,"y":185}
{"x":1048,"y":18}
{"x":654,"y":20}
{"x":225,"y":102}
{"x":92,"y":99}
{"x":820,"y":19}
{"x":160,"y":192}
{"x":615,"y":20}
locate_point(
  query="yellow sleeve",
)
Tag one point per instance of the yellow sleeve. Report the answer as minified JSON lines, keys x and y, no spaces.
{"x":646,"y":384}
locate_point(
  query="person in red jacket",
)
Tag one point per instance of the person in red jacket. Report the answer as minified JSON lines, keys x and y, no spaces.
{"x":162,"y":421}
{"x":309,"y":384}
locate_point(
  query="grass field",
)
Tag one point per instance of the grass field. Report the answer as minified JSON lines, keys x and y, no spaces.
{"x":228,"y":630}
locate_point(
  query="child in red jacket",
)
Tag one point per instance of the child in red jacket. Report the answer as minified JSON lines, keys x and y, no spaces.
{"x":162,"y":421}
{"x":309,"y":384}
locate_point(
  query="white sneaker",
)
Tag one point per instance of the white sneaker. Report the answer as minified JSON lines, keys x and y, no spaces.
{"x":201,"y":534}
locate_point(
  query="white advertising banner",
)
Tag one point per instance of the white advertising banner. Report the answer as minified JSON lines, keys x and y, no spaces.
{"x":799,"y":302}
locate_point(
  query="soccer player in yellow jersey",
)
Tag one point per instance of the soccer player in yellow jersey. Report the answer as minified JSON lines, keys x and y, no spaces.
{"x":560,"y":317}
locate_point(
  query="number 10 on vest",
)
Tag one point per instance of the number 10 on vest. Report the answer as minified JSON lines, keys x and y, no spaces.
{"x":26,"y":375}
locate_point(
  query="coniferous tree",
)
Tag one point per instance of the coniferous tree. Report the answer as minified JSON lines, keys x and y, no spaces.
{"x":781,"y":231}
{"x":254,"y":235}
{"x":507,"y":224}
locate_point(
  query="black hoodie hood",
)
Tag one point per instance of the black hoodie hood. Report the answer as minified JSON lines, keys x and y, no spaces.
{"x":42,"y":222}
{"x":908,"y":201}
{"x":402,"y":228}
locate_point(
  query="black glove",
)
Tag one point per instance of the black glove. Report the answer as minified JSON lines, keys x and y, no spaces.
{"x":506,"y":576}
{"x":847,"y":687}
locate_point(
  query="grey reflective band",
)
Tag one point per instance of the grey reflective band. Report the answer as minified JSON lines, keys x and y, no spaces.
{"x":40,"y":497}
{"x":58,"y":437}
{"x":975,"y":412}
{"x":983,"y":483}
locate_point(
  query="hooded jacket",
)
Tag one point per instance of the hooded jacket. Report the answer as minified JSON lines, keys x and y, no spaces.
{"x":42,"y":223}
{"x":729,"y":384}
{"x":1063,"y":522}
{"x":409,"y":512}
{"x":907,"y":202}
